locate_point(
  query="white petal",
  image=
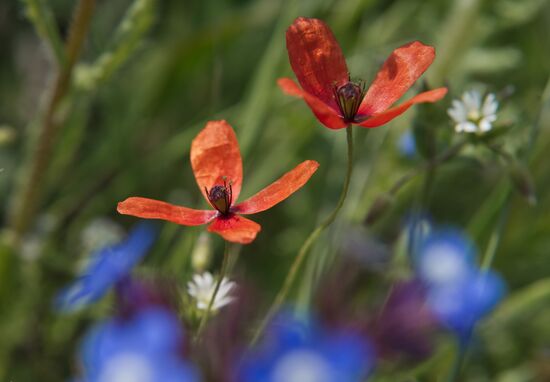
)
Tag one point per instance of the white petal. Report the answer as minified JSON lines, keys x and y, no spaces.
{"x":208,"y":278}
{"x":197,"y":279}
{"x":222,"y":302}
{"x":226,"y":287}
{"x":467,"y":127}
{"x":491,"y":117}
{"x":472,"y":100}
{"x":192,"y":289}
{"x":457,"y":112}
{"x":484,"y":125}
{"x":490,"y":105}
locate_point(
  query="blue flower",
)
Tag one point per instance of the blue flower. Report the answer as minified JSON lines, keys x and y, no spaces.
{"x":444,"y":257}
{"x":407,"y":144}
{"x":304,"y":352}
{"x":107,"y":267}
{"x":460,"y":305}
{"x":145,"y":348}
{"x":459,"y":293}
{"x":417,"y":226}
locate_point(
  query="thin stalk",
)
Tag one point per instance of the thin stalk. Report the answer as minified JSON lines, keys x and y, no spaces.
{"x":457,"y":366}
{"x":223,"y":270}
{"x":37,"y":164}
{"x":496,"y":236}
{"x":313,"y":236}
{"x":448,"y":154}
{"x":41,"y":16}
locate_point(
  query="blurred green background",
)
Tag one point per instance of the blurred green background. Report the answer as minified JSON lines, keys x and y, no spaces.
{"x":151,"y":73}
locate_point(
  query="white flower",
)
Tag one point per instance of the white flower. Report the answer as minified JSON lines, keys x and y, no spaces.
{"x":471,"y":116}
{"x":202,"y":288}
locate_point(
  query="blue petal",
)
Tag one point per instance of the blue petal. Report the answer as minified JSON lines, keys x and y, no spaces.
{"x":106,"y":267}
{"x":444,"y":257}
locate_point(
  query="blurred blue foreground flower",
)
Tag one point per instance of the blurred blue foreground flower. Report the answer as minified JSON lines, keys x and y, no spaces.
{"x":460,"y":305}
{"x":459,"y":293}
{"x":407,"y":144}
{"x":298,"y":352}
{"x":107,"y":267}
{"x":145,"y":348}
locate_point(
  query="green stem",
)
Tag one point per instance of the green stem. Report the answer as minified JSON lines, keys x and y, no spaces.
{"x":313,"y":236}
{"x":496,"y":236}
{"x":28,"y":194}
{"x":448,"y":154}
{"x":457,"y":365}
{"x":41,"y":16}
{"x":223,"y":270}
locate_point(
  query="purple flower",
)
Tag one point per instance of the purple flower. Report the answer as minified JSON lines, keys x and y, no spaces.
{"x":404,"y":326}
{"x":303,"y":352}
{"x":107,"y":267}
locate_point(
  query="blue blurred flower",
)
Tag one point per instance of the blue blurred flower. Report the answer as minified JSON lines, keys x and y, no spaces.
{"x":145,"y":348}
{"x":444,"y":257}
{"x":407,"y":144}
{"x":304,"y":352}
{"x":460,"y":305}
{"x":459,"y":293}
{"x":417,"y":226}
{"x":106,"y":267}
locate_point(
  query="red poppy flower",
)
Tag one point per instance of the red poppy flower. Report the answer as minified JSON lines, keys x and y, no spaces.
{"x":217,"y":165}
{"x":336,"y":101}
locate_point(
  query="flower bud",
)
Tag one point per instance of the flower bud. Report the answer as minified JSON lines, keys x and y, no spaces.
{"x":521,"y":178}
{"x":202,"y":253}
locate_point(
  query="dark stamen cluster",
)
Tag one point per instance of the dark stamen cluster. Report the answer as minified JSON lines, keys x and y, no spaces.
{"x":221,"y":197}
{"x":349,"y":97}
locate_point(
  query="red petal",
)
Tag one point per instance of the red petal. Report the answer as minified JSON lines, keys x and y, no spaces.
{"x":235,"y":228}
{"x":324,"y":113}
{"x":402,"y":68}
{"x":316,"y":58}
{"x":215,"y":156}
{"x":388,"y":115}
{"x":278,"y":191}
{"x":155,"y":209}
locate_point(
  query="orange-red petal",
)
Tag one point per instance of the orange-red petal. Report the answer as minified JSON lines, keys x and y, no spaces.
{"x":402,"y":68}
{"x":155,"y":209}
{"x":316,"y":58}
{"x":386,"y":116}
{"x":327,"y":115}
{"x":279,"y":190}
{"x":215,"y":157}
{"x":235,"y":228}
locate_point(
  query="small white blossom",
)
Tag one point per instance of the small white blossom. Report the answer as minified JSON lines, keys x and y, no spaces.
{"x":202,"y":288}
{"x":471,"y":116}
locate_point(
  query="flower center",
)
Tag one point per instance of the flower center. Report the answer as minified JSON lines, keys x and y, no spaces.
{"x":474,"y":116}
{"x":220,"y":197}
{"x":349,"y":97}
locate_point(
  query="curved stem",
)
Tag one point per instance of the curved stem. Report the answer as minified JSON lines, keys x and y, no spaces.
{"x":302,"y":253}
{"x":223,"y":270}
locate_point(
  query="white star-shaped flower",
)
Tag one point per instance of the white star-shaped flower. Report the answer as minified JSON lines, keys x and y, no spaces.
{"x":201,"y":288}
{"x":473,"y":116}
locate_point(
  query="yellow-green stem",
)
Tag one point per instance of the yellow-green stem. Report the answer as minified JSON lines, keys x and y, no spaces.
{"x":302,"y":253}
{"x":27,"y":196}
{"x":206,"y":314}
